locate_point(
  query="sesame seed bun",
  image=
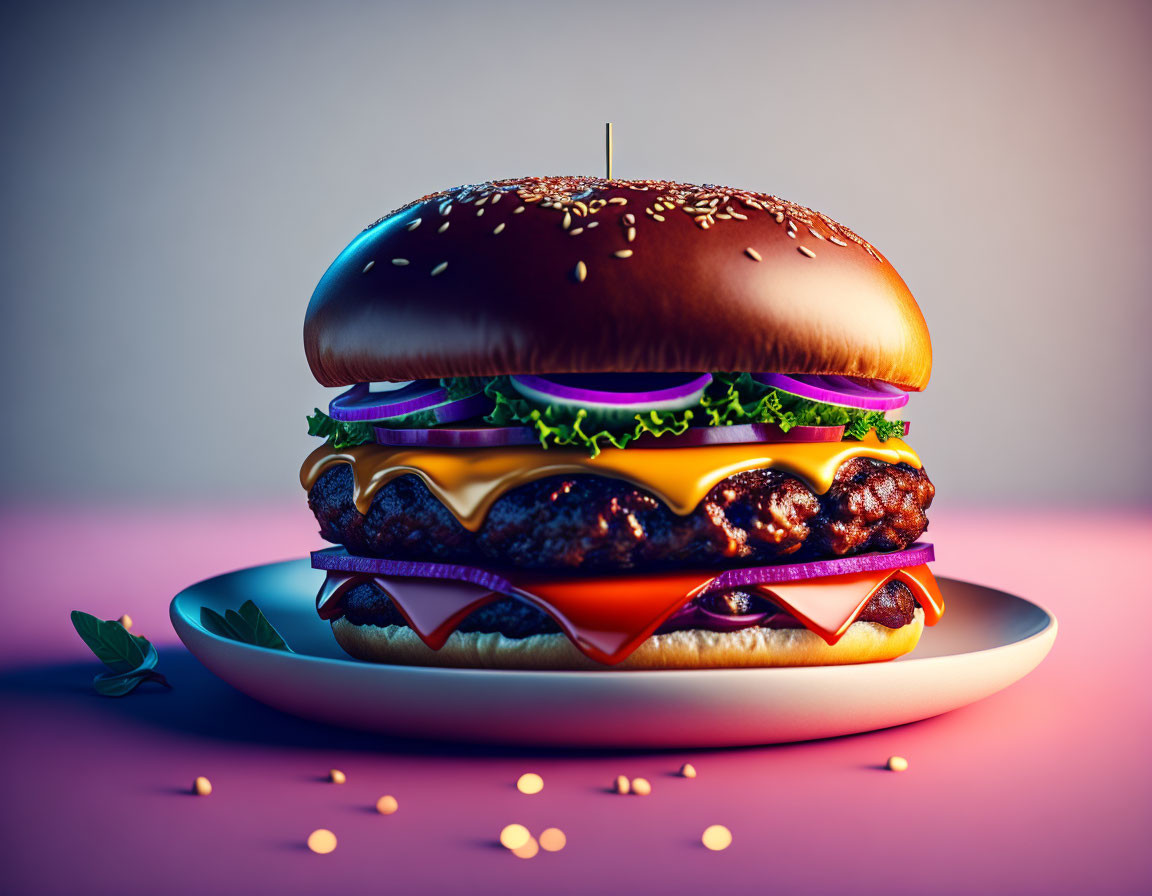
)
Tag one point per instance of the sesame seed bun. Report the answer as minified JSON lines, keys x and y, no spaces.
{"x":864,"y":642}
{"x":582,"y":275}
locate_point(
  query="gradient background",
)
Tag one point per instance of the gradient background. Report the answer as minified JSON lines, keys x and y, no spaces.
{"x":176,"y":178}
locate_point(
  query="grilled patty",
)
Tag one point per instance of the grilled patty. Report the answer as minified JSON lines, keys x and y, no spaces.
{"x":593,"y":523}
{"x":891,"y":606}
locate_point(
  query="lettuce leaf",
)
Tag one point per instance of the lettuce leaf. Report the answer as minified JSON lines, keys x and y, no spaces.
{"x":567,"y":427}
{"x":339,"y":435}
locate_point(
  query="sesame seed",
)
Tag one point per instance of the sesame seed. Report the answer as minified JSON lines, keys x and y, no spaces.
{"x":513,"y":836}
{"x":804,"y":250}
{"x":623,"y":253}
{"x":530,"y":783}
{"x":656,"y":206}
{"x":445,"y":208}
{"x":479,"y":212}
{"x":836,"y":241}
{"x":368,"y":267}
{"x":753,"y":254}
{"x":631,"y":234}
{"x":567,"y":222}
{"x":442,"y":227}
{"x":399,"y":262}
{"x":716,"y":837}
{"x":440,"y":268}
{"x":723,"y":217}
{"x":321,"y":841}
{"x":482,"y":200}
{"x":617,"y":200}
{"x":592,"y":224}
{"x":629,"y":219}
{"x":498,"y":229}
{"x":387,"y":805}
{"x":658,"y":217}
{"x":792,"y":233}
{"x":815,"y":234}
{"x":575,"y":231}
{"x":519,"y":209}
{"x":414,"y":224}
{"x":580,"y":208}
{"x":496,"y":197}
{"x":791,"y":225}
{"x":580,"y":272}
{"x":779,"y":217}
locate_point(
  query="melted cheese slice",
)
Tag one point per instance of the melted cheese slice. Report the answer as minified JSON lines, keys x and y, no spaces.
{"x":468,"y":481}
{"x":607,"y":618}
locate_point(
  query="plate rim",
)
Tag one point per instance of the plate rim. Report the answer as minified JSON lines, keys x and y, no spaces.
{"x":178,"y":619}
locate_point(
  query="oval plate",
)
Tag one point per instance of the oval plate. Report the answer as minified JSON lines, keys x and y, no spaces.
{"x":986,"y":641}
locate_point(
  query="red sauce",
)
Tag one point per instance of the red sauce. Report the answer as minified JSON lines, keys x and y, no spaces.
{"x":608,"y":617}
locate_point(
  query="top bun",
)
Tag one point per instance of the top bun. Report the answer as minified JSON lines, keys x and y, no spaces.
{"x":586,"y":275}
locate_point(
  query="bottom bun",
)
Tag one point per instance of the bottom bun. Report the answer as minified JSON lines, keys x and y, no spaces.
{"x":864,"y":642}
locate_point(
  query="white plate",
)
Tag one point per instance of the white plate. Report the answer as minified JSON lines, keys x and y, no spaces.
{"x":986,"y":641}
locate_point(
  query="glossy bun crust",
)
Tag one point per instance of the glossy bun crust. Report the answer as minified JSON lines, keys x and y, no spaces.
{"x":566,"y":275}
{"x":864,"y":642}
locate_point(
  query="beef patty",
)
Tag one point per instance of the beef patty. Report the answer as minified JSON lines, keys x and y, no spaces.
{"x":892,"y":606}
{"x":594,"y":523}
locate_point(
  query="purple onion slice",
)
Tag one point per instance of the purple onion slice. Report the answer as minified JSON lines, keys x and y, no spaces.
{"x":457,"y":437}
{"x":503,"y":436}
{"x":360,"y":405}
{"x":339,"y":560}
{"x":849,"y":392}
{"x":615,"y":394}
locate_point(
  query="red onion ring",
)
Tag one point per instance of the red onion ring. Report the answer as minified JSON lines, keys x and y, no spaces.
{"x":359,"y":405}
{"x":504,"y":436}
{"x":870,"y":395}
{"x":679,"y":386}
{"x":339,"y":560}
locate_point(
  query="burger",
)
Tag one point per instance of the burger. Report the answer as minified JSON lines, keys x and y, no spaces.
{"x":595,"y":423}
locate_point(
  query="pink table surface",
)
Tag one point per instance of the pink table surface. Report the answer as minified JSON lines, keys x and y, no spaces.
{"x":1043,"y":788}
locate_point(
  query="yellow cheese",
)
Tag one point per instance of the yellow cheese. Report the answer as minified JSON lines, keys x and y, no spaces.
{"x":469,"y":480}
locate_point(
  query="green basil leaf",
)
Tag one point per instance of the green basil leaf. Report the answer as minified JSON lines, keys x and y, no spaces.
{"x":249,"y":626}
{"x":118,"y":685}
{"x":217,"y":624}
{"x":110,"y":641}
{"x":108,"y":685}
{"x":264,"y":634}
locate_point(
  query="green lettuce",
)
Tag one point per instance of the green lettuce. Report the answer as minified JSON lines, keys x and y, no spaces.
{"x":339,"y":435}
{"x":566,"y":427}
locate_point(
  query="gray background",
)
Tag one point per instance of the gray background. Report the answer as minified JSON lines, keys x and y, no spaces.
{"x":176,"y":177}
